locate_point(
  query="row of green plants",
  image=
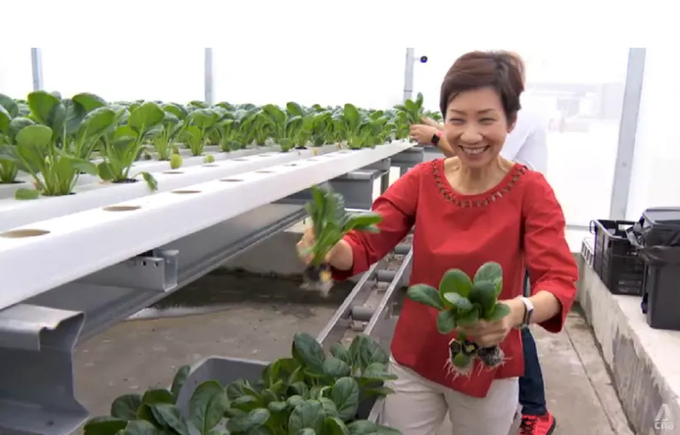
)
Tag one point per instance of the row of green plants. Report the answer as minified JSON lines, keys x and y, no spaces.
{"x":309,"y":393}
{"x":54,"y":140}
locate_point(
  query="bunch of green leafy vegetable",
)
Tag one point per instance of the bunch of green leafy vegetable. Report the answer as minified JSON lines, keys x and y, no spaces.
{"x":309,"y":394}
{"x":462,"y":302}
{"x":331,"y":221}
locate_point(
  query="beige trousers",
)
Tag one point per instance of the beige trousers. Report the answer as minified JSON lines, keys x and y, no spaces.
{"x":419,"y":407}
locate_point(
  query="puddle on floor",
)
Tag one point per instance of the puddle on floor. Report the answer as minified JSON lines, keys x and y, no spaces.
{"x":221,"y":288}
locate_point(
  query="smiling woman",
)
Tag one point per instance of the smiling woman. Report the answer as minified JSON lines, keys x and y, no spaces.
{"x":475,"y":208}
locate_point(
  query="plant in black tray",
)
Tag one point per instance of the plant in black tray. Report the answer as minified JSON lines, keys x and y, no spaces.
{"x":331,"y":222}
{"x":309,"y":394}
{"x":462,"y":301}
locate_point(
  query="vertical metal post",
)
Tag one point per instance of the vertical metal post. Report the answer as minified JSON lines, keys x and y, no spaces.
{"x":36,"y":67}
{"x":627,"y":133}
{"x":408,"y":73}
{"x":209,"y":81}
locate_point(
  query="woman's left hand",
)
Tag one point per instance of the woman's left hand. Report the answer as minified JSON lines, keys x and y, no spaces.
{"x":423,"y":133}
{"x":487,"y":334}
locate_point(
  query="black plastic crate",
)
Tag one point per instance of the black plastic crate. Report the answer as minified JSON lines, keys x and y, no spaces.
{"x":616,"y":260}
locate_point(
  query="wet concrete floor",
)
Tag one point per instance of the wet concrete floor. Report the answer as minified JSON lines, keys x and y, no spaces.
{"x":252,"y":317}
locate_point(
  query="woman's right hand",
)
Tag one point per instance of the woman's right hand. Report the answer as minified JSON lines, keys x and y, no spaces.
{"x":307,"y":241}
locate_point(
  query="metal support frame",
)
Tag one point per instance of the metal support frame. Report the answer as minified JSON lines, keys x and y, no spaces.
{"x":36,"y":386}
{"x":408,"y":73}
{"x":356,"y":187}
{"x":37,"y":69}
{"x":627,"y":134}
{"x":209,"y":79}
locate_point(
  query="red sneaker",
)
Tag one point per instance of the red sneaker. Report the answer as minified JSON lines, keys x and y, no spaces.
{"x":537,"y":424}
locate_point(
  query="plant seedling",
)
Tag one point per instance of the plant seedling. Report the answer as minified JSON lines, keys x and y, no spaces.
{"x":331,"y":222}
{"x":210,"y":158}
{"x":310,"y":393}
{"x":176,"y":161}
{"x":461,"y":302}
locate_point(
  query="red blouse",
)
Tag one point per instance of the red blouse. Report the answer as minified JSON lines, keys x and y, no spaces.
{"x":518,"y":224}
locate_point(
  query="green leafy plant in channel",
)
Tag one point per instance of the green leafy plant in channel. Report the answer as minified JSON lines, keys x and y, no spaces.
{"x":413,"y":109}
{"x":200,"y":124}
{"x":462,"y":301}
{"x":123,"y":146}
{"x":54,"y":141}
{"x":311,"y":393}
{"x":331,"y":222}
{"x":8,"y":167}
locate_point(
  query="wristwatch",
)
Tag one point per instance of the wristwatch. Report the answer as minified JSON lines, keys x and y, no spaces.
{"x":436,"y":137}
{"x":528,"y":312}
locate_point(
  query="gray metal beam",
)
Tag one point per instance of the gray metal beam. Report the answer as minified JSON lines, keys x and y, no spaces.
{"x":36,"y":386}
{"x":209,"y":78}
{"x":107,"y":303}
{"x":36,"y":68}
{"x":627,"y":134}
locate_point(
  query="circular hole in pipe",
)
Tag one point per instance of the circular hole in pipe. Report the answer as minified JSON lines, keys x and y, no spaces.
{"x":312,"y":160}
{"x":122,"y":208}
{"x":210,"y":165}
{"x":290,"y":164}
{"x":23,"y":234}
{"x":186,"y":191}
{"x":173,"y":172}
{"x":240,"y":160}
{"x":231,"y":180}
{"x":264,"y":171}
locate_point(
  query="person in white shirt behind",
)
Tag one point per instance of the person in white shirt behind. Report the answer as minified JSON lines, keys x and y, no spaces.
{"x":526,"y":144}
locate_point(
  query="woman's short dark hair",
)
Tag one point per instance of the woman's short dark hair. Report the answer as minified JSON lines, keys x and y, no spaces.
{"x":500,"y":70}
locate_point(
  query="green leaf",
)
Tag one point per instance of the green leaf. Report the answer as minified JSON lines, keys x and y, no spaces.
{"x":446,"y":321}
{"x":39,"y":136}
{"x":168,"y":416}
{"x":151,"y":182}
{"x":179,"y":380}
{"x":207,"y":406}
{"x":126,"y":406}
{"x":500,"y":310}
{"x":82,"y":165}
{"x":277,"y":406}
{"x":484,"y":294}
{"x":243,"y":423}
{"x":345,"y":395}
{"x":140,"y":427}
{"x":365,"y":351}
{"x":361,"y":221}
{"x":461,"y":304}
{"x":294,"y":401}
{"x":160,"y":395}
{"x":341,"y":352}
{"x":492,"y":272}
{"x":469,"y":317}
{"x":455,"y":281}
{"x":425,"y":294}
{"x":335,"y":367}
{"x":105,"y":171}
{"x":307,"y":415}
{"x":335,"y":426}
{"x":219,"y":431}
{"x":308,"y":352}
{"x":246,"y":403}
{"x":362,"y":427}
{"x":104,"y":426}
{"x":385,"y":430}
{"x":26,"y":194}
{"x":329,"y":407}
{"x":145,"y":117}
{"x":377,"y":372}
